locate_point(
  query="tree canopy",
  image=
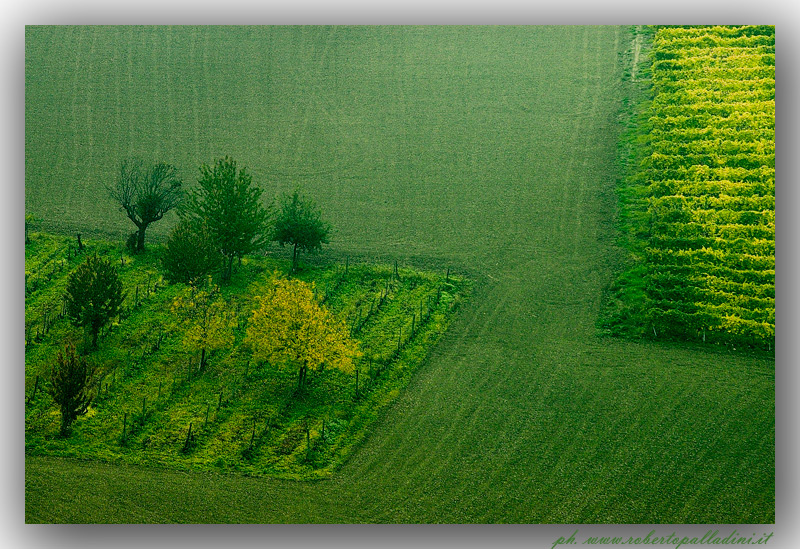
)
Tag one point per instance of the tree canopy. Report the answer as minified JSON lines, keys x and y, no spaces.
{"x":70,"y":386}
{"x":229,"y":203}
{"x":299,"y":224}
{"x":190,"y":253}
{"x":288,"y":325}
{"x":204,"y":314}
{"x":93,"y":295}
{"x":146,"y":194}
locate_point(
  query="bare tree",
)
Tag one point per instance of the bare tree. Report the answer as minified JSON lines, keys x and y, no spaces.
{"x":146,"y":194}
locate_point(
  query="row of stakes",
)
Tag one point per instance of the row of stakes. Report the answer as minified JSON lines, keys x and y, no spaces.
{"x":190,"y":437}
{"x":192,"y":433}
{"x":52,"y":313}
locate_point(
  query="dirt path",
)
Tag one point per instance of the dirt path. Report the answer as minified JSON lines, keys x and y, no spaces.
{"x":637,"y":48}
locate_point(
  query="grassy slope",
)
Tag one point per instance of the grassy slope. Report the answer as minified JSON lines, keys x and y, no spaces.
{"x":244,"y":414}
{"x":492,"y":148}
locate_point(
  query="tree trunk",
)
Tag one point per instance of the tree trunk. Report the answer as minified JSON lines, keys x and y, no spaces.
{"x":301,"y":378}
{"x":95,"y":334}
{"x":202,"y":359}
{"x":294,"y":258}
{"x":65,"y":424}
{"x":140,"y":237}
{"x":228,"y":269}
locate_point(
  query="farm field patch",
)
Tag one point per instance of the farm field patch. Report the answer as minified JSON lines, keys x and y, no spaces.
{"x":156,"y":404}
{"x":489,"y":149}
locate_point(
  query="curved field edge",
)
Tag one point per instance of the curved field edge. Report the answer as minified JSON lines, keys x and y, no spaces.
{"x":697,"y":195}
{"x":155,"y":406}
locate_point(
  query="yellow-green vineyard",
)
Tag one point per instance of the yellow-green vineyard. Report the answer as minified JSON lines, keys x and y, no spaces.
{"x":702,"y":202}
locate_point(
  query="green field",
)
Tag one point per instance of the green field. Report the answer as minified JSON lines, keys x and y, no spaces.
{"x":489,"y":149}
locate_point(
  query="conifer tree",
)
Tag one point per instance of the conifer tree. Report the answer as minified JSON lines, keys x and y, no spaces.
{"x":94,"y":295}
{"x":71,"y":386}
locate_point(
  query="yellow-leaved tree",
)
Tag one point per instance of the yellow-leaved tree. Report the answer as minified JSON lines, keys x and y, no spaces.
{"x":288,"y":324}
{"x":204,"y":315}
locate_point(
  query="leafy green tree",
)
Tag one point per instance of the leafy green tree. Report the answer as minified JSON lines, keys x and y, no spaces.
{"x":205,"y":317}
{"x":94,"y":295}
{"x":146,"y":194}
{"x":288,"y":325}
{"x":190,"y":254}
{"x":230,"y":205}
{"x":71,"y":383}
{"x":299,"y":224}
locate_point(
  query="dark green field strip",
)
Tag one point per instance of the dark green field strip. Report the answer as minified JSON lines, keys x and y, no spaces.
{"x":721,"y":110}
{"x":491,"y":149}
{"x":757,"y":87}
{"x":737,"y":57}
{"x":702,"y":94}
{"x":723,"y":202}
{"x":755,"y":120}
{"x":741,"y":262}
{"x":716,"y":73}
{"x":708,"y":40}
{"x":712,"y":53}
{"x":734,"y":275}
{"x":762,"y":179}
{"x":670,"y":281}
{"x":659,"y":162}
{"x":763,"y":248}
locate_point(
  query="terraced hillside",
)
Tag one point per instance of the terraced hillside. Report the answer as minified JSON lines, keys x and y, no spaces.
{"x":491,"y":149}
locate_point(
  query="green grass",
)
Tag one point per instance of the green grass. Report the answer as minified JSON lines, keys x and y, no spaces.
{"x":244,"y":414}
{"x":489,"y":149}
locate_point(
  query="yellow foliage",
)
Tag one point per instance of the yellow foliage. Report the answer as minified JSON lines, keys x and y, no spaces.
{"x":204,"y":315}
{"x":288,"y":323}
